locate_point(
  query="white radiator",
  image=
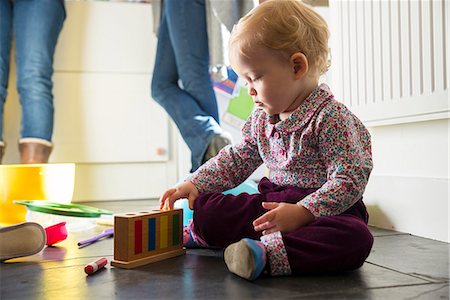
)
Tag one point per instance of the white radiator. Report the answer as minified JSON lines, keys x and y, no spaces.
{"x":390,"y":59}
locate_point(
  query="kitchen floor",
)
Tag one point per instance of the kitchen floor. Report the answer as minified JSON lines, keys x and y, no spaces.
{"x":400,"y":266}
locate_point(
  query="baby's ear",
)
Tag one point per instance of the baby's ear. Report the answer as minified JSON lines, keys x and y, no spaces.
{"x":299,"y":64}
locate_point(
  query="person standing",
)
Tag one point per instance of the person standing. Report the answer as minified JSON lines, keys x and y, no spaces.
{"x":35,"y":26}
{"x":181,"y":81}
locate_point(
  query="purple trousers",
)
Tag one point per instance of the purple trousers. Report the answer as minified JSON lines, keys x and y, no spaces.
{"x":329,"y":244}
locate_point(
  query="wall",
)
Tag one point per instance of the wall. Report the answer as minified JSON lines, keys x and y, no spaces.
{"x":391,"y":68}
{"x":409,"y":187}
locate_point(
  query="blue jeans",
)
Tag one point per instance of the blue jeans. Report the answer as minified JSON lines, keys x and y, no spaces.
{"x":183,"y":55}
{"x":35,"y":25}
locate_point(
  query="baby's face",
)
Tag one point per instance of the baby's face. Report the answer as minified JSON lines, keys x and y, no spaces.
{"x":270,"y":78}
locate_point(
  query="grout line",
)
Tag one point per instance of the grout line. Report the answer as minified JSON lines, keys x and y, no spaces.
{"x":370,"y":288}
{"x":391,"y":234}
{"x":408,"y":274}
{"x":48,"y":261}
{"x":427,"y":292}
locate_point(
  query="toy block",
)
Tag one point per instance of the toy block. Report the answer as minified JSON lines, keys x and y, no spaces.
{"x":145,"y":237}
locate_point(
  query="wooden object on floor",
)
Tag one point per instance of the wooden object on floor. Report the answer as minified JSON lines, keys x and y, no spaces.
{"x":145,"y":237}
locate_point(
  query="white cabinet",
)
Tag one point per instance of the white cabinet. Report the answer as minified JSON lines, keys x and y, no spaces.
{"x":106,"y":37}
{"x":103,"y":67}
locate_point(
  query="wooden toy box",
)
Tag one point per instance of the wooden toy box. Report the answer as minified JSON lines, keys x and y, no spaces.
{"x":146,"y":237}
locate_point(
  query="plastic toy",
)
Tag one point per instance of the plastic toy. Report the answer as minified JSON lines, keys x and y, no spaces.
{"x":56,"y":233}
{"x":106,"y":233}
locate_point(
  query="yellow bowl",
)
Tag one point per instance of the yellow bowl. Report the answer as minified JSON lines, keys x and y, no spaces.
{"x":52,"y":182}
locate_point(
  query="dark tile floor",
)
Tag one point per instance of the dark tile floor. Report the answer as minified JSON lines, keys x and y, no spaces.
{"x":400,"y":266}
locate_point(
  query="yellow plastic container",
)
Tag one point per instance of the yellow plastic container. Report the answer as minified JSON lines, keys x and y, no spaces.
{"x":52,"y":182}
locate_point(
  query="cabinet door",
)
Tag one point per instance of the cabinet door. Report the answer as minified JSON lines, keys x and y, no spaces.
{"x":108,"y":118}
{"x":103,"y":65}
{"x":106,"y":37}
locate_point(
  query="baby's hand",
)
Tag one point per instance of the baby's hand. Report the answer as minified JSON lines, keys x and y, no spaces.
{"x":184,"y":190}
{"x":282,"y":217}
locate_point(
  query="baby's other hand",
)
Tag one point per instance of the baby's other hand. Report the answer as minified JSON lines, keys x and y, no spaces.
{"x":282,"y":217}
{"x":184,"y":190}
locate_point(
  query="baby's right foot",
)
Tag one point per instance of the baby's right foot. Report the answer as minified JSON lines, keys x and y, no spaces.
{"x":246,"y":258}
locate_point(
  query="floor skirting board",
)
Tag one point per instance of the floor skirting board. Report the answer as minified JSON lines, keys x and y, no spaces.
{"x":419,"y":206}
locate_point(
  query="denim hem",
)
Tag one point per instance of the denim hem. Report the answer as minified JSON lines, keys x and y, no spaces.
{"x":36,"y":140}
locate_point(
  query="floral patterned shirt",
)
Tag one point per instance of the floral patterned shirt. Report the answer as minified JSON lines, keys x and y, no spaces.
{"x":320,"y":145}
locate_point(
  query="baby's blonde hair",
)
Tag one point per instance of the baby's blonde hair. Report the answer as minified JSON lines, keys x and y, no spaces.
{"x":288,"y":26}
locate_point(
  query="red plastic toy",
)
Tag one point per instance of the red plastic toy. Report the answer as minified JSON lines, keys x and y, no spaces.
{"x":56,"y":233}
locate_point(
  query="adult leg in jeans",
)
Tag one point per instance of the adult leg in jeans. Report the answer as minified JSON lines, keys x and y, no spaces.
{"x":183,"y":55}
{"x":37,"y":25}
{"x":5,"y":47}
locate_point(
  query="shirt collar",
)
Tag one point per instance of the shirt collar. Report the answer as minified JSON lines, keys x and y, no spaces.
{"x":302,"y":114}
